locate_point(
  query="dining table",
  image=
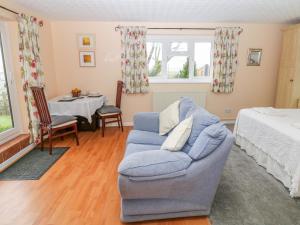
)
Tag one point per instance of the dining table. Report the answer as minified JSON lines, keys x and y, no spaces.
{"x":81,"y":107}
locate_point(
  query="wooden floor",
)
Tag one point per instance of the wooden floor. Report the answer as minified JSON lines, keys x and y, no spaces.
{"x":81,"y":188}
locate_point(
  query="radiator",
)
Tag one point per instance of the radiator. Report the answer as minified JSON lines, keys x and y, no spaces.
{"x":162,"y":99}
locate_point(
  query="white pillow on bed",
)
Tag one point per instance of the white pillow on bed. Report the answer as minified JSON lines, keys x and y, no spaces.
{"x":169,"y":118}
{"x":178,"y":137}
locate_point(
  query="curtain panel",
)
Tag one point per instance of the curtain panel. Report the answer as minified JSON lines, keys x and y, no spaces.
{"x":134,"y":64}
{"x":225,"y":59}
{"x":31,"y":71}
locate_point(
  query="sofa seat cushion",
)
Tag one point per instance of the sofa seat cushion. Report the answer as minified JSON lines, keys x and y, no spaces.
{"x":208,"y":141}
{"x":201,"y":120}
{"x":153,"y":163}
{"x":145,"y":137}
{"x":134,"y":148}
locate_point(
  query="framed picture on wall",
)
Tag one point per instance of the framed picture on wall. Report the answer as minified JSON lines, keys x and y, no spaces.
{"x":254,"y":56}
{"x":87,"y":59}
{"x":86,"y":41}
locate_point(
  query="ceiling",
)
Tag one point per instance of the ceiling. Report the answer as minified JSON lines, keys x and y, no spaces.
{"x":257,"y":11}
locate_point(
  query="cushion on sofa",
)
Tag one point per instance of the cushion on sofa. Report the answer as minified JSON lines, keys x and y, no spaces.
{"x":201,"y":120}
{"x":186,"y":104}
{"x":134,"y":148}
{"x":178,"y":137}
{"x":145,"y":137}
{"x":153,"y":163}
{"x":209,"y":139}
{"x":169,"y":118}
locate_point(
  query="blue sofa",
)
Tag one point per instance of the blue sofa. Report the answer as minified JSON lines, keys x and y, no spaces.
{"x":159,"y":184}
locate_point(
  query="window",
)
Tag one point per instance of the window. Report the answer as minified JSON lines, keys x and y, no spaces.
{"x":173,"y":59}
{"x":9,"y":118}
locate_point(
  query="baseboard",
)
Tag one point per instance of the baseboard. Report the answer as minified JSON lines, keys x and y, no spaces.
{"x":228,"y":121}
{"x":125,"y":124}
{"x":16,"y":157}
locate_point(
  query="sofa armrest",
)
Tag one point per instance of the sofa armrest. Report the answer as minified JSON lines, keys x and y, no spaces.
{"x":154,"y":163}
{"x":146,"y":121}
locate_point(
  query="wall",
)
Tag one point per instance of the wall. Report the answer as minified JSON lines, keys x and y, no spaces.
{"x":46,"y":56}
{"x":254,"y":86}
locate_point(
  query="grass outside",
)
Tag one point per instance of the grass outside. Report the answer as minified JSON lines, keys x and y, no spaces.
{"x":5,"y":122}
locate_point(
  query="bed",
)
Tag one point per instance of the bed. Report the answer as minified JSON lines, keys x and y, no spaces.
{"x":272,"y":137}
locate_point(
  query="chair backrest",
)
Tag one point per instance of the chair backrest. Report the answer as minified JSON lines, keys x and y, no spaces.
{"x":119,"y":93}
{"x":41,"y":104}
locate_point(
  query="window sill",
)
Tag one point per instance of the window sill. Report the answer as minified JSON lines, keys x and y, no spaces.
{"x":181,"y":81}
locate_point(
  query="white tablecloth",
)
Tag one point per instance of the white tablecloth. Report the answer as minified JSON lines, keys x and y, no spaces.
{"x":85,"y":107}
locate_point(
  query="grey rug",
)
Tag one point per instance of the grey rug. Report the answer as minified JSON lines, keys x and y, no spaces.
{"x":33,"y":165}
{"x":247,"y":194}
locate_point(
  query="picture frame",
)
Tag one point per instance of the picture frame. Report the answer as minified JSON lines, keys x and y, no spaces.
{"x":87,"y":59}
{"x":86,"y":41}
{"x":254,"y":56}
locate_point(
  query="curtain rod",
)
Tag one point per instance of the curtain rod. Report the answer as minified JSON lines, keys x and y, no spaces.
{"x":174,"y":28}
{"x":2,"y":7}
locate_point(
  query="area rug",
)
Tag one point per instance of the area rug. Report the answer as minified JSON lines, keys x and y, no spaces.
{"x":248,"y":195}
{"x":33,"y":165}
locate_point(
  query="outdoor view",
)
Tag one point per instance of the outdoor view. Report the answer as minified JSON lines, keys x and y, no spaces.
{"x":6,"y":121}
{"x":177,"y":64}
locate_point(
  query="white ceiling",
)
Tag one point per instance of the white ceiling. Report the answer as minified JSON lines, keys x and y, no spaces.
{"x":268,"y":11}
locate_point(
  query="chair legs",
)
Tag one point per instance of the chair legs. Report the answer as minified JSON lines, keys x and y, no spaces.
{"x":50,"y":141}
{"x":76,"y":134}
{"x":120,"y":117}
{"x":103,"y":126}
{"x":42,"y":138}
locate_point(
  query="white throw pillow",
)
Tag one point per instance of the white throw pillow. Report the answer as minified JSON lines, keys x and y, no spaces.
{"x":169,"y":118}
{"x":178,"y":137}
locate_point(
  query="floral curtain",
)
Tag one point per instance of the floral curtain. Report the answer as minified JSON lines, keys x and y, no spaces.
{"x":134,"y":59}
{"x":31,"y":71}
{"x":225,"y":59}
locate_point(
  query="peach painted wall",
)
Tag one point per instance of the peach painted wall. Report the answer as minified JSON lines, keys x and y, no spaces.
{"x":254,"y":86}
{"x":46,"y":56}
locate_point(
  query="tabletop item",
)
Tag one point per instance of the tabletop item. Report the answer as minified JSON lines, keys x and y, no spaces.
{"x":82,"y":106}
{"x":76,"y":92}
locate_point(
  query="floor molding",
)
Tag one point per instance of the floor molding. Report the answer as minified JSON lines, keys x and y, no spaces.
{"x":16,"y":157}
{"x":228,"y":121}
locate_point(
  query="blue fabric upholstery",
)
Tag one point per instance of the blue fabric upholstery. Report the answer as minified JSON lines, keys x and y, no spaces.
{"x":145,"y":137}
{"x":153,"y":163}
{"x":208,"y":140}
{"x":201,"y":120}
{"x":133,"y":148}
{"x":186,"y":104}
{"x":146,"y":121}
{"x":154,"y":187}
{"x":58,"y":120}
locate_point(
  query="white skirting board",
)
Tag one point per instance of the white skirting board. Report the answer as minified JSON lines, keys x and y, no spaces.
{"x":16,"y":157}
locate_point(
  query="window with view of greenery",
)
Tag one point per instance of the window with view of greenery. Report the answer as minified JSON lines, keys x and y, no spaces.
{"x":179,"y":58}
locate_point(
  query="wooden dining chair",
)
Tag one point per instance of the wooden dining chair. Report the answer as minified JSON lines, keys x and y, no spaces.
{"x":54,"y":126}
{"x":112,"y":113}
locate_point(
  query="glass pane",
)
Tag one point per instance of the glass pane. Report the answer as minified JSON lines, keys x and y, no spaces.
{"x":179,"y":46}
{"x":154,"y":54}
{"x":202,"y":59}
{"x":6,"y":120}
{"x":178,"y":67}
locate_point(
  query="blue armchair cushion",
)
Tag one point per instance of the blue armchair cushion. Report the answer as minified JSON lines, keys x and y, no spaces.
{"x":134,"y":148}
{"x":145,"y":137}
{"x":146,"y":121}
{"x":154,"y":163}
{"x":186,"y":104}
{"x":201,"y":120}
{"x":209,"y":139}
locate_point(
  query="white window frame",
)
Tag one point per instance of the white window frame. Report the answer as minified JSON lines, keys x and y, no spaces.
{"x":16,"y":130}
{"x":166,"y":51}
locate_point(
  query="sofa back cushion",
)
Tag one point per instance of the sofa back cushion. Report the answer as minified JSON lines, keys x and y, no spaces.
{"x":154,"y":163}
{"x":201,"y":120}
{"x":186,"y":104}
{"x":208,"y":141}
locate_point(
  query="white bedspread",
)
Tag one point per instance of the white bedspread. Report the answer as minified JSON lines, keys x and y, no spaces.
{"x":276,"y":134}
